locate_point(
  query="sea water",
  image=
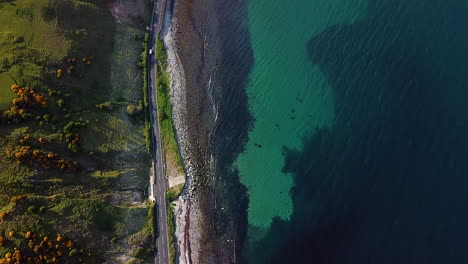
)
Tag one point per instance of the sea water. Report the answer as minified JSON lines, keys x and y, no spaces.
{"x":358,"y":149}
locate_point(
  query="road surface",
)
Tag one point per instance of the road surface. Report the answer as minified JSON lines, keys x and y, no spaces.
{"x":158,"y":182}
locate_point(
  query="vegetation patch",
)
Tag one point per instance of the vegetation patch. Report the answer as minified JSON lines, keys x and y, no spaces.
{"x":71,"y":133}
{"x":171,"y":231}
{"x":36,"y":248}
{"x":171,"y":150}
{"x":173,"y":193}
{"x":143,"y":65}
{"x":172,"y":156}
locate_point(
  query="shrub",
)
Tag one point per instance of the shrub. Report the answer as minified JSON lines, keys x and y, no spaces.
{"x":51,"y":92}
{"x":147,"y":134}
{"x":32,"y":209}
{"x":131,"y":109}
{"x":61,"y":103}
{"x":71,"y":70}
{"x":162,"y":115}
{"x":106,"y":105}
{"x":141,"y":253}
{"x":72,"y":127}
{"x":73,"y":148}
{"x":45,"y":160}
{"x":135,"y":109}
{"x":161,"y":53}
{"x":42,"y":209}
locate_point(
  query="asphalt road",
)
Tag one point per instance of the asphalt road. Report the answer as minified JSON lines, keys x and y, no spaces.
{"x":158,"y":183}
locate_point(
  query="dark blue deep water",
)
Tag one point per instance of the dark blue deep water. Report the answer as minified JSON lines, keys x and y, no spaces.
{"x":391,"y":175}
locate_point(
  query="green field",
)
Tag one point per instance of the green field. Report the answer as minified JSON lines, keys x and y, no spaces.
{"x":100,"y":207}
{"x":30,"y":39}
{"x":5,"y":94}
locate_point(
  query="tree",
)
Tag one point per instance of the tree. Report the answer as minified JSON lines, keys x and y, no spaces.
{"x":131,"y":109}
{"x":60,"y":103}
{"x":134,"y":109}
{"x":59,"y":73}
{"x":42,"y":209}
{"x":106,"y":105}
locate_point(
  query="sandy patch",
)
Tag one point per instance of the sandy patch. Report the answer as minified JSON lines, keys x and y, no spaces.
{"x":176,"y":181}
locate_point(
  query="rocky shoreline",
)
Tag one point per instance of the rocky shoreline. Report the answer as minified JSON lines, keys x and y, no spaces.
{"x":187,"y":213}
{"x":202,"y":39}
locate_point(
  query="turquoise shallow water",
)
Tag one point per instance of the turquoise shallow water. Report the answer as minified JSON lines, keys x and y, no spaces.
{"x":289,"y":97}
{"x":358,"y":150}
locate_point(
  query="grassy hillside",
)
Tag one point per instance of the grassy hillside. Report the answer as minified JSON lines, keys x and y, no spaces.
{"x":73,"y":162}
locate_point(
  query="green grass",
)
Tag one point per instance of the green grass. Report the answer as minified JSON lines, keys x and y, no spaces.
{"x":152,"y":221}
{"x":65,"y":215}
{"x":149,"y":229}
{"x":173,"y":193}
{"x":171,"y":230}
{"x":143,"y":64}
{"x":5,"y":93}
{"x":83,"y":205}
{"x":161,"y":53}
{"x":106,"y":174}
{"x":165,"y":109}
{"x":17,"y":20}
{"x":148,"y":137}
{"x":105,"y":216}
{"x":147,"y":235}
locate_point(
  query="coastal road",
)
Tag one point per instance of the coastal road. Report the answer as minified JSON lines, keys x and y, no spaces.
{"x":158,"y":182}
